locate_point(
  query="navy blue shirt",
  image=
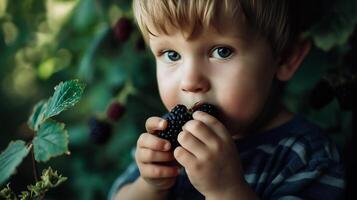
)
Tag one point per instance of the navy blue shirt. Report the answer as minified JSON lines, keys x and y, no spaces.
{"x":293,"y":161}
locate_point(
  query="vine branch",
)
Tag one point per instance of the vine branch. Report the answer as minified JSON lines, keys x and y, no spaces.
{"x":34,"y":165}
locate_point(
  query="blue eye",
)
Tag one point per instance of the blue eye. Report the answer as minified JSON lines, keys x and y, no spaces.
{"x":172,"y":56}
{"x":222,"y":52}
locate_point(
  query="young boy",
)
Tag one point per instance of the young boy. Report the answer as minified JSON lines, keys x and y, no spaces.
{"x":234,"y":54}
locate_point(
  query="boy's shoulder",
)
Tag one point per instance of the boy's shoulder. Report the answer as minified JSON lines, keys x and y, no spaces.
{"x":295,"y":159}
{"x":299,"y":135}
{"x":298,"y":126}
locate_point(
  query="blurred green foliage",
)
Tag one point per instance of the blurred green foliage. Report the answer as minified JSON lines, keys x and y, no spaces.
{"x":45,"y":42}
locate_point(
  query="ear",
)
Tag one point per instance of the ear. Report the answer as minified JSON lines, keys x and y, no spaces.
{"x":292,"y":62}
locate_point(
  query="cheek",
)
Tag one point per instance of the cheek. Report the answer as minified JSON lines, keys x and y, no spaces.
{"x":167,"y":89}
{"x":244,"y":103}
{"x":241,"y":108}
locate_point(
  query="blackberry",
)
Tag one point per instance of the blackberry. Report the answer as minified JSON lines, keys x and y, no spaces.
{"x":177,"y":117}
{"x":115,"y":111}
{"x":100,"y":130}
{"x":345,"y":91}
{"x":207,"y":108}
{"x":322,"y":94}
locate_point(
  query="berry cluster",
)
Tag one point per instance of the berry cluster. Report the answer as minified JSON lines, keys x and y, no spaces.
{"x":342,"y":87}
{"x":178,"y":116}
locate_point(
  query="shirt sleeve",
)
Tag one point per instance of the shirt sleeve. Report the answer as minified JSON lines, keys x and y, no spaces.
{"x":129,"y":176}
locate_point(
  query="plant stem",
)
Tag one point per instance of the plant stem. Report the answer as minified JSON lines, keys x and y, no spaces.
{"x":34,"y":165}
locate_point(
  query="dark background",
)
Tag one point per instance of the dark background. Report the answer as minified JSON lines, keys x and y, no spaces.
{"x":45,"y":42}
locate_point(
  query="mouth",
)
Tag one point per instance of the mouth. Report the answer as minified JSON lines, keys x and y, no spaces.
{"x":197,"y":105}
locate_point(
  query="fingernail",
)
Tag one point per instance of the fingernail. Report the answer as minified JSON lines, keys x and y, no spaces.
{"x":195,"y":114}
{"x":167,"y":146}
{"x":162,"y":124}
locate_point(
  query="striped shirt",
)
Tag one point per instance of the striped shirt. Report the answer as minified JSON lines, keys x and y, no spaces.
{"x":293,"y":161}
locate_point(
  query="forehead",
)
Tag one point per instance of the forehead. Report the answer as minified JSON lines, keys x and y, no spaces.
{"x":225,"y":29}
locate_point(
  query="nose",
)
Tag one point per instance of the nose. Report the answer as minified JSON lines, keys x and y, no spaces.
{"x":194,"y":79}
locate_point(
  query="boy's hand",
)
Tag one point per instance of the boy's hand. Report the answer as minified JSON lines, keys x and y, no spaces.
{"x":151,"y":155}
{"x":209,"y":156}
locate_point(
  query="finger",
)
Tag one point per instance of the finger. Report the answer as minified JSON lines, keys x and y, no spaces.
{"x":201,"y":131}
{"x":153,"y":142}
{"x":148,"y":156}
{"x":158,"y":171}
{"x":212,"y":122}
{"x":155,"y":124}
{"x":191,"y":143}
{"x":184,"y":157}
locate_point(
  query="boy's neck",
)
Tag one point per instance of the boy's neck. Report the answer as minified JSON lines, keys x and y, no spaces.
{"x":280,"y":118}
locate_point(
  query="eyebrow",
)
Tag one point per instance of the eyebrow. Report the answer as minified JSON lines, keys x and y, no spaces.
{"x":158,"y":45}
{"x":160,"y":42}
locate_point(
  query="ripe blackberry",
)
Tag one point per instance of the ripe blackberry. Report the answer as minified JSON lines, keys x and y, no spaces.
{"x":100,"y":130}
{"x":322,"y":94}
{"x":115,"y":111}
{"x":345,"y":91}
{"x":207,"y":108}
{"x":177,"y":117}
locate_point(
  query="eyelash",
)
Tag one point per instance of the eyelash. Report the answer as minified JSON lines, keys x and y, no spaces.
{"x":166,"y":52}
{"x":231,"y":53}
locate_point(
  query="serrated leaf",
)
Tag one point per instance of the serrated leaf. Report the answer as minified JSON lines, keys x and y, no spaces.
{"x":66,"y":95}
{"x":51,"y":141}
{"x":37,"y":116}
{"x":11,"y":157}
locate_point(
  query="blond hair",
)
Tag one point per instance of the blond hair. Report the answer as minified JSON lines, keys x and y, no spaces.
{"x":276,"y":20}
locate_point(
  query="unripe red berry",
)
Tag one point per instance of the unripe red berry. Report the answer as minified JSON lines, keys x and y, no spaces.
{"x":115,"y":111}
{"x":123,"y":29}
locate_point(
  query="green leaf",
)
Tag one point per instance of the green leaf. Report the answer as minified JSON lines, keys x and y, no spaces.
{"x":11,"y":157}
{"x":337,"y":26}
{"x":86,"y":67}
{"x":37,"y":115}
{"x":51,"y":141}
{"x":66,"y":95}
{"x":85,"y":14}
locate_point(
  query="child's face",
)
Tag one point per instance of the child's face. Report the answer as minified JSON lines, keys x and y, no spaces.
{"x":230,"y":70}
